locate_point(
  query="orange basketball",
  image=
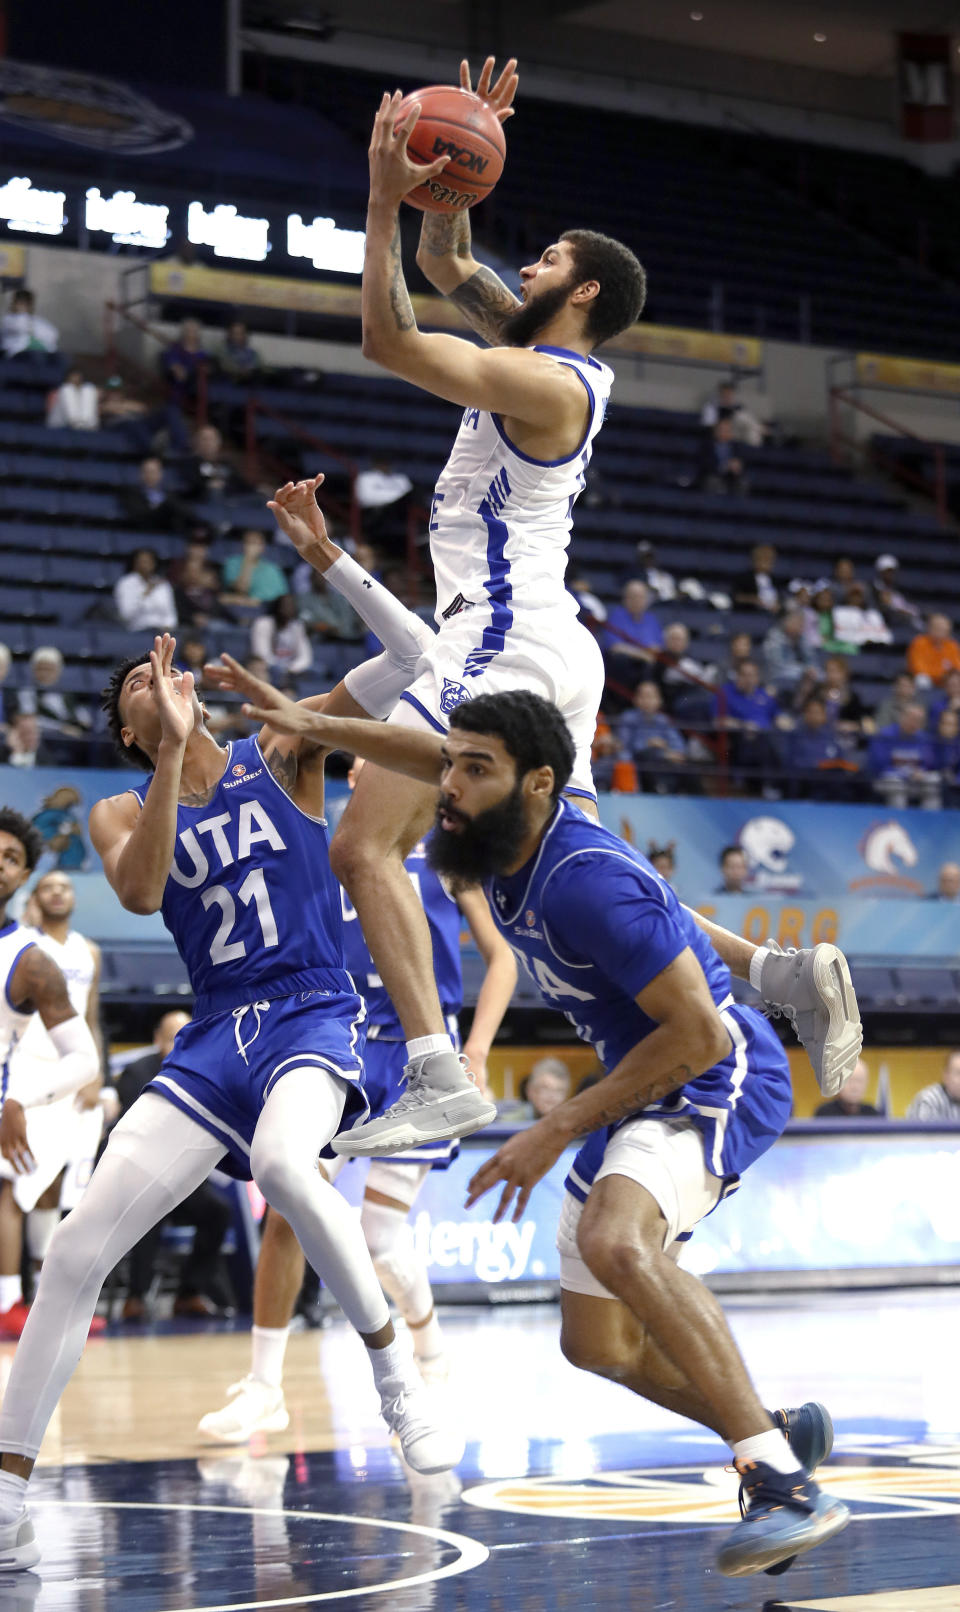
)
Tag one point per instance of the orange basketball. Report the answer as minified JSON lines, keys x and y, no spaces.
{"x":458,"y":123}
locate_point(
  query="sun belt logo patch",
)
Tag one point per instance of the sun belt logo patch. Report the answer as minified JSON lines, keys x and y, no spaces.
{"x":239,"y":770}
{"x":451,"y":695}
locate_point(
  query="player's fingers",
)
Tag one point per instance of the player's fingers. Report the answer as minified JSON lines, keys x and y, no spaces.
{"x":501,"y":88}
{"x":431,"y":172}
{"x":465,"y":83}
{"x":504,"y":1203}
{"x":523,"y":1198}
{"x":187,"y":683}
{"x":405,"y":126}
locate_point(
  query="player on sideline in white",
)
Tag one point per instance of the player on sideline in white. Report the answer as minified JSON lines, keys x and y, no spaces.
{"x":64,"y":1136}
{"x":697,"y":1088}
{"x":32,"y":986}
{"x":499,"y":528}
{"x":231,"y":845}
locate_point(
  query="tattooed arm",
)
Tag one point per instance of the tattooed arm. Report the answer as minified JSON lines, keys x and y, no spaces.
{"x":446,"y":258}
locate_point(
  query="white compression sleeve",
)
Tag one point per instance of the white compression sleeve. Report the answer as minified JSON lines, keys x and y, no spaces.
{"x":401,"y":633}
{"x":79,"y":1063}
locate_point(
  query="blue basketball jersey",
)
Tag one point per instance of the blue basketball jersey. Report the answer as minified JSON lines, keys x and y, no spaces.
{"x":593,"y":923}
{"x":251,"y":901}
{"x":443,"y":917}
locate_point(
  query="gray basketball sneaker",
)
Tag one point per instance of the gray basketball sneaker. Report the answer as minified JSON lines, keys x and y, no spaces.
{"x":813,"y":990}
{"x":440,"y":1103}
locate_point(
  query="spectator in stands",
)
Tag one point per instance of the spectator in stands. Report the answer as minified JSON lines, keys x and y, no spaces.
{"x":857,"y":622}
{"x":946,"y":699}
{"x":844,"y":573}
{"x":180,"y":363}
{"x":940,"y":1103}
{"x":726,"y":405}
{"x":209,"y":474}
{"x":195,"y":585}
{"x":61,"y":723}
{"x":800,"y":597}
{"x":681,"y":677}
{"x":204,"y":1288}
{"x":734,"y":872}
{"x":662,"y":584}
{"x":787,"y":658}
{"x":74,"y":406}
{"x":948,"y":883}
{"x":649,"y":738}
{"x":902,"y":761}
{"x":143,"y":599}
{"x":740,"y":648}
{"x":935,"y":653}
{"x":631,"y":633}
{"x":663,"y":859}
{"x":815,"y":746}
{"x":823,"y":604}
{"x":903,"y":692}
{"x":383,"y":494}
{"x":605,"y":754}
{"x":947,"y":744}
{"x":25,"y":743}
{"x":893,"y":604}
{"x":749,"y":714}
{"x":755,"y":589}
{"x":281,"y":638}
{"x":845,"y":709}
{"x":591,"y":606}
{"x":721,"y":468}
{"x":249,"y":579}
{"x":192,"y":655}
{"x":23,"y":332}
{"x":149,"y":505}
{"x":849,"y":1103}
{"x":236,"y":358}
{"x":8,"y":700}
{"x":541,"y":1091}
{"x":327,"y":614}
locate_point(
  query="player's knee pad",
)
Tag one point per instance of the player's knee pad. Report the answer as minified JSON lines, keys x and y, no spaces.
{"x":390,"y":1240}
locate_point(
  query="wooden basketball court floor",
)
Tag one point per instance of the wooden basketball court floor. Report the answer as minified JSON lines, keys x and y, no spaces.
{"x":573,"y":1494}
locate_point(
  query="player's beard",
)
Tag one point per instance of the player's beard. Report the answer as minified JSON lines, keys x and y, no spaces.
{"x":522,"y":327}
{"x":484,"y":845}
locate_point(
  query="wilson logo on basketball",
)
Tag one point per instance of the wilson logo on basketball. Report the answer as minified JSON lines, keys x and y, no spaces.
{"x":239,"y":770}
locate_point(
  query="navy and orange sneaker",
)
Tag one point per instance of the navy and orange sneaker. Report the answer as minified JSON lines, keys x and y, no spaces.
{"x":782,"y":1515}
{"x":808,"y":1429}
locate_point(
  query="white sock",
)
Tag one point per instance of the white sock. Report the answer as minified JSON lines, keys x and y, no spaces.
{"x":268,"y":1346}
{"x":388,"y":1363}
{"x":422,"y":1046}
{"x":756,"y":965}
{"x":41,"y":1225}
{"x":13,"y":1496}
{"x":11,"y":1292}
{"x":427,"y":1339}
{"x":770,"y":1448}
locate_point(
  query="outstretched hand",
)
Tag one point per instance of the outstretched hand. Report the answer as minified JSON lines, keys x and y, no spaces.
{"x":172,"y":691}
{"x":500,"y":96}
{"x":520,"y":1163}
{"x":297,"y":513}
{"x":265,"y":704}
{"x":393,"y":174}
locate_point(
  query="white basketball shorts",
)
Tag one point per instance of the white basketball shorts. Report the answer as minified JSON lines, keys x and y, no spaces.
{"x":563,"y":664}
{"x":59,"y":1134}
{"x":666,"y":1157}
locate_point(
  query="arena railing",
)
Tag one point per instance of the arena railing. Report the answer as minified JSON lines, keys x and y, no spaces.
{"x":839,"y":438}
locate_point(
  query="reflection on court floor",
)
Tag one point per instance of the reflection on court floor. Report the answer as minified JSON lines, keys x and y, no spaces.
{"x":572,"y":1495}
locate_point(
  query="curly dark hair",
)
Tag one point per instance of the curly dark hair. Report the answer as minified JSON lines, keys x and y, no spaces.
{"x":30,"y":838}
{"x":532,"y":730}
{"x":110,"y":705}
{"x":623,"y":283}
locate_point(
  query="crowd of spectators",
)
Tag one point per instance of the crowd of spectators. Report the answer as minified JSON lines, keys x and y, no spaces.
{"x":778,"y":712}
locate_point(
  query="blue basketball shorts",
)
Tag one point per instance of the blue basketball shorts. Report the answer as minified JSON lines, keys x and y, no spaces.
{"x":223,"y":1068}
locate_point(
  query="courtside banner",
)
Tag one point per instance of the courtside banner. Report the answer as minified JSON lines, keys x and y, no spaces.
{"x":814,"y":1202}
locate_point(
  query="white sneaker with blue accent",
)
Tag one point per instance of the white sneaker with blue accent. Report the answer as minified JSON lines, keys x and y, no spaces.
{"x":440,"y":1104}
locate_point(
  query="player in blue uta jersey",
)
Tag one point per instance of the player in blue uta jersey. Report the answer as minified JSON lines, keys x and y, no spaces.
{"x":256,"y":1404}
{"x":696,"y":1088}
{"x":231,"y":846}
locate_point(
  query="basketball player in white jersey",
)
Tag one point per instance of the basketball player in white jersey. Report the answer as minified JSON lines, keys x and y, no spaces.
{"x":499,"y":528}
{"x":67,"y":1132}
{"x":31,"y":984}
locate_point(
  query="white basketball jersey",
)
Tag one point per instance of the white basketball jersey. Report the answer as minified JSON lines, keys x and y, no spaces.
{"x":500,"y":521}
{"x":14,"y":941}
{"x":74,"y":959}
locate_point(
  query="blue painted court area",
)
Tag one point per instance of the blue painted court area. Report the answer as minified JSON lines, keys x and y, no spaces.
{"x":236,"y":1530}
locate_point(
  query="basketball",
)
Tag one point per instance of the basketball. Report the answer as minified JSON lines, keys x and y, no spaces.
{"x":457,"y":122}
